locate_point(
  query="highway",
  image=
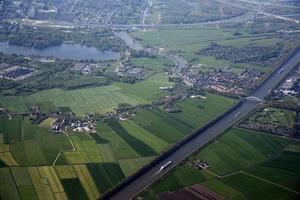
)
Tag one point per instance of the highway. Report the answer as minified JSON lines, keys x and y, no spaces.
{"x":145,"y":179}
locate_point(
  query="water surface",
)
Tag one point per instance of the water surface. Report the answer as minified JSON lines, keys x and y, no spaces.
{"x":63,"y":51}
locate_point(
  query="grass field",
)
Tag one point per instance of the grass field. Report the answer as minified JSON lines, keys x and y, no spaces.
{"x":105,"y":175}
{"x":90,"y":100}
{"x":8,"y":189}
{"x":102,"y":159}
{"x":188,"y":41}
{"x":172,"y":126}
{"x":87,"y":181}
{"x":243,"y":165}
{"x":241,"y":149}
{"x":120,"y":149}
{"x":29,"y":144}
{"x":156,"y":143}
{"x":139,"y":146}
{"x":224,"y":189}
{"x":258,"y":189}
{"x":153,"y":64}
{"x":129,"y":166}
{"x":283,"y":170}
{"x":183,"y":176}
{"x":74,"y":189}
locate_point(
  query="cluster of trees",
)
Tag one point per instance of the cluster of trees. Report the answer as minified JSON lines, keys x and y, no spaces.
{"x":37,"y":38}
{"x":102,"y":39}
{"x":50,"y":75}
{"x":262,"y":56}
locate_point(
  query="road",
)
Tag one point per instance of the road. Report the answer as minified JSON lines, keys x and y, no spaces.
{"x":180,"y":62}
{"x":259,"y":10}
{"x":202,"y":138}
{"x":145,"y":12}
{"x":244,"y":17}
{"x":58,"y":24}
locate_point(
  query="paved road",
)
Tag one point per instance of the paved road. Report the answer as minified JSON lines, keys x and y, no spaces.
{"x":180,"y":62}
{"x":259,"y":10}
{"x":203,"y":138}
{"x":58,"y":24}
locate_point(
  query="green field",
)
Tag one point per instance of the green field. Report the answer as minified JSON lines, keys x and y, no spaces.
{"x":275,"y":116}
{"x":173,"y":126}
{"x":258,"y":189}
{"x":98,"y":160}
{"x":283,"y":170}
{"x":243,"y":165}
{"x":74,"y":189}
{"x":139,"y":146}
{"x":224,"y":189}
{"x":90,"y":100}
{"x":29,"y":144}
{"x":188,"y":41}
{"x":106,"y":175}
{"x":241,"y":149}
{"x":153,"y":64}
{"x":129,"y":166}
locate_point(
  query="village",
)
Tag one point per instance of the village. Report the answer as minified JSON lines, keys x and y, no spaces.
{"x":222,"y":80}
{"x":70,"y":11}
{"x":290,"y":87}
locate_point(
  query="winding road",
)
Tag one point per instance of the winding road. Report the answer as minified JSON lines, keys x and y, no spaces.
{"x":150,"y":175}
{"x":179,"y":61}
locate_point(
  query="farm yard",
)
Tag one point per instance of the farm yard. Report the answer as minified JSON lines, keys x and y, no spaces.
{"x":242,"y":165}
{"x":86,"y":165}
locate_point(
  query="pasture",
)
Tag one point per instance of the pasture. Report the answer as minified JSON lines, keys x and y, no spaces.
{"x":224,"y":189}
{"x":258,"y":189}
{"x":90,"y":100}
{"x":100,"y":160}
{"x":30,"y":144}
{"x":243,"y":165}
{"x":153,"y":64}
{"x":105,"y":175}
{"x":241,"y":149}
{"x":188,"y":41}
{"x":130,"y":166}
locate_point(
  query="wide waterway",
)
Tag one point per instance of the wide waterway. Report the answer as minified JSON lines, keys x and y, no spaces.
{"x":202,"y":137}
{"x":63,"y":51}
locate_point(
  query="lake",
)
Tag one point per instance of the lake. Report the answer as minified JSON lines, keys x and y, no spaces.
{"x":64,"y":51}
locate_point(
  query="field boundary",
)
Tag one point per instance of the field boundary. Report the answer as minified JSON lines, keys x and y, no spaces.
{"x":191,"y":136}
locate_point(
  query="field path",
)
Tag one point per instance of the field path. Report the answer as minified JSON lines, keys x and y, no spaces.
{"x":56,"y":159}
{"x":66,"y":134}
{"x":22,"y":133}
{"x":262,"y":179}
{"x":276,"y":184}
